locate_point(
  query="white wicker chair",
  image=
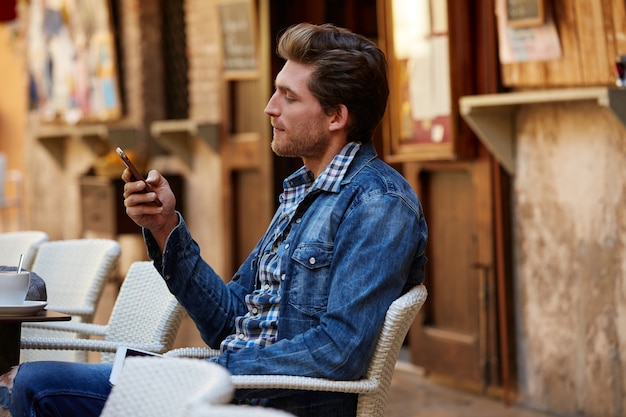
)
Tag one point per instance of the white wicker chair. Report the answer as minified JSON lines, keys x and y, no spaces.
{"x":145,"y":316}
{"x":75,"y":272}
{"x":176,"y":387}
{"x":14,"y":244}
{"x":157,"y":387}
{"x":235,"y":411}
{"x":373,"y":389}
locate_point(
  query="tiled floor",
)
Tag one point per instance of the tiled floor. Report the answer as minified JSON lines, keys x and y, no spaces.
{"x":414,"y":395}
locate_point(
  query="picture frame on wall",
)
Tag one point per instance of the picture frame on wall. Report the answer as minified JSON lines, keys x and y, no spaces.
{"x":72,"y":62}
{"x":525,"y":13}
{"x":423,"y":45}
{"x":239,"y":39}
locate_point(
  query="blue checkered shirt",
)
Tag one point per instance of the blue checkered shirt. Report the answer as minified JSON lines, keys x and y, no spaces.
{"x":260,"y":325}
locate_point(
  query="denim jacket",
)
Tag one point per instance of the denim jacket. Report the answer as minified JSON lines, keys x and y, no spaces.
{"x":348,"y":255}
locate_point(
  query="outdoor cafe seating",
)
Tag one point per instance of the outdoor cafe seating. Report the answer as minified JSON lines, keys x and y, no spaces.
{"x":147,"y":316}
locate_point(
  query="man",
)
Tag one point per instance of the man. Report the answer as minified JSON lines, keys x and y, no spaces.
{"x":348,"y":238}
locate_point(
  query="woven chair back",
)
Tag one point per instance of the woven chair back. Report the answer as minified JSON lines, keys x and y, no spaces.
{"x":14,"y":244}
{"x":145,"y":312}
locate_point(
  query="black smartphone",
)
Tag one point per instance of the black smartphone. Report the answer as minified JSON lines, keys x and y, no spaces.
{"x":135,"y":173}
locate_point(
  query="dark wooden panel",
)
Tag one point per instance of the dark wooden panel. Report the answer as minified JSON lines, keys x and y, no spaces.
{"x":454,"y":336}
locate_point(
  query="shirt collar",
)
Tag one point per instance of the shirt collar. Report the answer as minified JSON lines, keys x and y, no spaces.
{"x":330,"y":179}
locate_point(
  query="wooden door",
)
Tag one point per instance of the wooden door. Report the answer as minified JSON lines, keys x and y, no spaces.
{"x":455,"y":334}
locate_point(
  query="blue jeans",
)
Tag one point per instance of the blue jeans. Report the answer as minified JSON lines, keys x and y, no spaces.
{"x":67,"y":389}
{"x":60,"y":389}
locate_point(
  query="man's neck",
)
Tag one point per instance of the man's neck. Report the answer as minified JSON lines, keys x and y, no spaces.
{"x":317,"y":164}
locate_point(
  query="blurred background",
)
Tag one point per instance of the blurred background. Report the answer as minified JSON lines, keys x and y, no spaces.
{"x":507,"y":117}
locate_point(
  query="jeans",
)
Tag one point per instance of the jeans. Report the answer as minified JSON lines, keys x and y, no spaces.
{"x":60,"y":389}
{"x":66,"y":389}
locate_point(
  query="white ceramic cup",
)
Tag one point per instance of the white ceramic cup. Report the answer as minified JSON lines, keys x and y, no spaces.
{"x":13,"y":287}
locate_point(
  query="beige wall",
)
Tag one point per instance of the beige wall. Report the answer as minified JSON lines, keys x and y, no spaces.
{"x":13,"y":99}
{"x":570,"y":208}
{"x":13,"y":105}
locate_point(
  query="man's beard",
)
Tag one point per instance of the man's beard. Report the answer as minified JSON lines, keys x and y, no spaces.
{"x":310,"y":144}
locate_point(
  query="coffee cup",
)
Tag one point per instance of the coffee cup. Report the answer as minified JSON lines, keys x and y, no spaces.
{"x":13,"y":287}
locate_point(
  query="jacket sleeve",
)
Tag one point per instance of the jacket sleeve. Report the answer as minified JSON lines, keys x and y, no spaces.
{"x":210,"y":302}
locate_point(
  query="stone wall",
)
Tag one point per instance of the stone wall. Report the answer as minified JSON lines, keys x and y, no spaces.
{"x":570,"y":209}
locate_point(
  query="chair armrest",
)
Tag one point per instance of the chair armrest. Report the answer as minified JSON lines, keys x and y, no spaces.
{"x":88,"y":329}
{"x":83,"y":312}
{"x":62,"y":343}
{"x":193,"y":352}
{"x":362,"y":386}
{"x":292,"y":382}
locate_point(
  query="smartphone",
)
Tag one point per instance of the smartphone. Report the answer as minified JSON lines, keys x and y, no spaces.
{"x":135,"y":173}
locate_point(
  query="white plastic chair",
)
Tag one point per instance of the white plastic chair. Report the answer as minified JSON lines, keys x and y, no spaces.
{"x":145,"y":316}
{"x":13,"y":244}
{"x":373,"y":388}
{"x":75,"y":272}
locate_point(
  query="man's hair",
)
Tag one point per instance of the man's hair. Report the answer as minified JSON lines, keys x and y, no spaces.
{"x":348,"y":69}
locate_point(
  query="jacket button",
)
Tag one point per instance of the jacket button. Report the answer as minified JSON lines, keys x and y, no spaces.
{"x":312,"y":260}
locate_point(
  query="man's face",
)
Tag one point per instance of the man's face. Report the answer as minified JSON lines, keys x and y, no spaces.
{"x":300,"y":125}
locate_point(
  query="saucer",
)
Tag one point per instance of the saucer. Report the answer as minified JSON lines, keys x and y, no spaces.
{"x":28,"y":308}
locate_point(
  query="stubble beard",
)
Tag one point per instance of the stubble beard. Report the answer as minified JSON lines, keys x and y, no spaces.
{"x":309,"y":142}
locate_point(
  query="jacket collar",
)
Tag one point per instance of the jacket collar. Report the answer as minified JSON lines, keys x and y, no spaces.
{"x":365,"y":155}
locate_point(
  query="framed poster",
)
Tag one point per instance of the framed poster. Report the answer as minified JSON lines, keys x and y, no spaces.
{"x":72,"y":61}
{"x":425,"y":84}
{"x":239,"y":38}
{"x":525,"y":13}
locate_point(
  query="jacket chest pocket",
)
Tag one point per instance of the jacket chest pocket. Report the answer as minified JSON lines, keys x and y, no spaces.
{"x":310,"y":281}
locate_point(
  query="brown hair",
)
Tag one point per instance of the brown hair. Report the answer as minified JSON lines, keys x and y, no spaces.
{"x":349,"y":69}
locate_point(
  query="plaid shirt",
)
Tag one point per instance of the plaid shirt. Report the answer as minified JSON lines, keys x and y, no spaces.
{"x":260,"y":325}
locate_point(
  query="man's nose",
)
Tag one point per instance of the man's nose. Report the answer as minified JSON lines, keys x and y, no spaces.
{"x":271,"y":108}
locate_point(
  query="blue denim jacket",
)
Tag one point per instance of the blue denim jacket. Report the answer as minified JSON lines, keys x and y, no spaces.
{"x":347,"y":257}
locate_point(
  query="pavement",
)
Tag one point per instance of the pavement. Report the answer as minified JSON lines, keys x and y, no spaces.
{"x":412,"y":394}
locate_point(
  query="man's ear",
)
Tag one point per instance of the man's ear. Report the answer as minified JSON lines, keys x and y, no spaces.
{"x":339,"y":118}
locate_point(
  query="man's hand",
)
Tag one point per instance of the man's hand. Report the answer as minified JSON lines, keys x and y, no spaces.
{"x":140,"y":207}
